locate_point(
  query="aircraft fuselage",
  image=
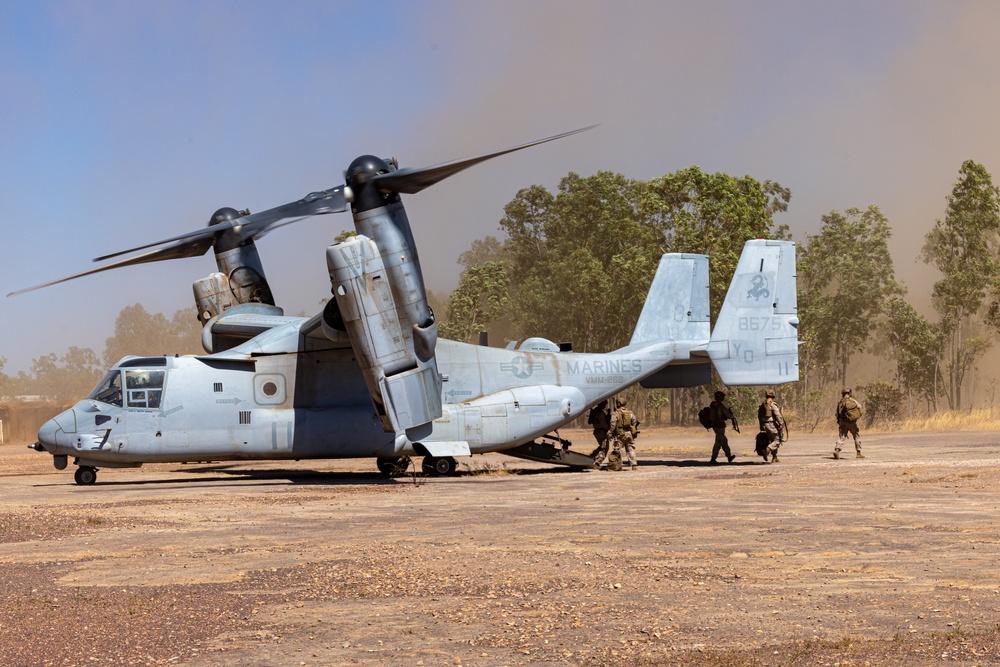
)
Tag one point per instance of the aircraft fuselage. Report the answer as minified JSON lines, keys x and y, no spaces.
{"x":316,"y":404}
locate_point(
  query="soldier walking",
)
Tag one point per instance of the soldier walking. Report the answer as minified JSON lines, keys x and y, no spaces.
{"x":624,"y":428}
{"x":771,"y":422}
{"x":848,"y":414}
{"x":719,"y":413}
{"x":600,"y":419}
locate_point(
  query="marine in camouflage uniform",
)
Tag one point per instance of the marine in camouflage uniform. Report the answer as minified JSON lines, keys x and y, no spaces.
{"x":772,"y":423}
{"x":600,"y":419}
{"x":718,"y":414}
{"x":846,"y":425}
{"x":623,"y":429}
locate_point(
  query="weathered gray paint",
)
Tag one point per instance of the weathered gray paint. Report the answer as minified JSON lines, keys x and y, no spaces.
{"x":318,"y":404}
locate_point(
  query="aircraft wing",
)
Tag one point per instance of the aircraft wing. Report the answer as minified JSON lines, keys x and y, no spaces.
{"x":272,"y":334}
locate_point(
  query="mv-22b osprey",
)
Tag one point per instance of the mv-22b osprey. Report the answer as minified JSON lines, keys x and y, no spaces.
{"x":368,"y":376}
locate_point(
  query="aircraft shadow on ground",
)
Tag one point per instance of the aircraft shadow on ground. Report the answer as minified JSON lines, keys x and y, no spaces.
{"x":226,"y":475}
{"x":692,"y":463}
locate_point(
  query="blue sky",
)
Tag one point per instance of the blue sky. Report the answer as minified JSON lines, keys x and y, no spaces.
{"x":126,"y":122}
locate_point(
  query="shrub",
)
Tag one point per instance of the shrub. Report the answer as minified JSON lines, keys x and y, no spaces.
{"x":882,"y":403}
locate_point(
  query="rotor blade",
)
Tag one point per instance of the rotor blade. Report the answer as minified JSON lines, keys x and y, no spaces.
{"x":315,"y":203}
{"x":252,"y":226}
{"x":175,"y":251}
{"x":195,"y":238}
{"x":411,"y":180}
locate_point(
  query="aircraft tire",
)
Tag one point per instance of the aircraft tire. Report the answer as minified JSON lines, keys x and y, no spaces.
{"x":439,"y":466}
{"x":85,"y":475}
{"x":393,"y":467}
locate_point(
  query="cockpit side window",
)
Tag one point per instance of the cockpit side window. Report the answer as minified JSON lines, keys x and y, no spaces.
{"x":143,"y":388}
{"x":109,"y":389}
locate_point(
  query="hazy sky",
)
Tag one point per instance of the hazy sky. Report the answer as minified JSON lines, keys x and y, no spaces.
{"x":127,"y":122}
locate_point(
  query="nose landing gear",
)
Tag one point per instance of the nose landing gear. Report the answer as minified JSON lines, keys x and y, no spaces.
{"x":85,"y":475}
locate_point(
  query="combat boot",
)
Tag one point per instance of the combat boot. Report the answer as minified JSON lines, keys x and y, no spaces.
{"x":774,"y":458}
{"x":836,"y":453}
{"x":860,"y":456}
{"x":635,"y":467}
{"x":731,"y":457}
{"x":713,"y":461}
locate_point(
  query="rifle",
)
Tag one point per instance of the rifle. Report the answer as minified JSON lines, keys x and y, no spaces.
{"x":736,"y":425}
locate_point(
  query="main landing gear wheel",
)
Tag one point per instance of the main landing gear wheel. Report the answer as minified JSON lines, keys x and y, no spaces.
{"x":85,"y":475}
{"x":393,"y":467}
{"x":439,"y":466}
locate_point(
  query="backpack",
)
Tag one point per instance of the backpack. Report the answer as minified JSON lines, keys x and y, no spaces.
{"x":626,"y":422}
{"x":615,"y":460}
{"x":705,"y":417}
{"x":853,"y":412}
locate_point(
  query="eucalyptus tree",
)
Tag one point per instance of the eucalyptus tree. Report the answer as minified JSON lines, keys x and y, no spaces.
{"x":915,"y":344}
{"x":963,"y":248}
{"x":481,"y":297}
{"x":581,"y":260}
{"x":845,"y":278}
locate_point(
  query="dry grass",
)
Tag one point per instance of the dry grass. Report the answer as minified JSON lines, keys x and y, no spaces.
{"x":950,"y":420}
{"x":491,"y":468}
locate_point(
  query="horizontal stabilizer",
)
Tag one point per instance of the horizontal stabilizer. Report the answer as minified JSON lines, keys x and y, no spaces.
{"x":755,"y":340}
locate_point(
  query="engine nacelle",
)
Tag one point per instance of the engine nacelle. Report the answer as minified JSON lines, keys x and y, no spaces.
{"x":240,"y":280}
{"x":401,"y":372}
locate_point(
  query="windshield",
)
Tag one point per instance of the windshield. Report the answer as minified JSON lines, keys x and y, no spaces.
{"x":143,"y":388}
{"x":109,"y":389}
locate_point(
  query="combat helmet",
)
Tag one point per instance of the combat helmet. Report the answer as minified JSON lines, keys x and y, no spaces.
{"x":769,"y":394}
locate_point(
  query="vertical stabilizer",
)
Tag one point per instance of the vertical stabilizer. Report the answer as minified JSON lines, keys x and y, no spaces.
{"x":676,"y":307}
{"x":755,"y":340}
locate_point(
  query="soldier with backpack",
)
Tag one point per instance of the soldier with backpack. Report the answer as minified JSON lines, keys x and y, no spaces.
{"x":715,"y":417}
{"x":624,"y":429}
{"x":771,"y":424}
{"x":848,"y":414}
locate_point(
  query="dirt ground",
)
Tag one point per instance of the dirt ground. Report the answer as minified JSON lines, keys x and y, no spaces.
{"x":890,"y":560}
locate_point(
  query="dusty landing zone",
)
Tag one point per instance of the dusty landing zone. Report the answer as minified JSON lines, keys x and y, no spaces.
{"x":891,"y":560}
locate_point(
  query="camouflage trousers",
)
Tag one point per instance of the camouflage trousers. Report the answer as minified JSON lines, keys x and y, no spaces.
{"x":600,"y":454}
{"x":625,"y":444}
{"x":721,"y":442}
{"x":774,"y":436}
{"x":845,"y":427}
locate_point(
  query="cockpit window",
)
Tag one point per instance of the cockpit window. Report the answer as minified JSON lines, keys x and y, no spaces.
{"x":143,"y":389}
{"x":109,"y":389}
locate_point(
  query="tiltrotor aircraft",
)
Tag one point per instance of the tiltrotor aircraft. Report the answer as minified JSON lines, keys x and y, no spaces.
{"x":368,"y":376}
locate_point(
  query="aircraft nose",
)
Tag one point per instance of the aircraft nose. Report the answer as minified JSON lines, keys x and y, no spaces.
{"x":58,"y":432}
{"x":47,"y":434}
